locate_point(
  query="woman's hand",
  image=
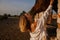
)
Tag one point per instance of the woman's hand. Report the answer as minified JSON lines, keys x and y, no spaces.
{"x":51,"y":2}
{"x":33,"y":26}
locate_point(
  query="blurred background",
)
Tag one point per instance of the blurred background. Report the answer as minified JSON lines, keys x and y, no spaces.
{"x":10,"y":11}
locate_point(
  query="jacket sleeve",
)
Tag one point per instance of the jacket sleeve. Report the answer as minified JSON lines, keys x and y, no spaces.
{"x":48,"y":11}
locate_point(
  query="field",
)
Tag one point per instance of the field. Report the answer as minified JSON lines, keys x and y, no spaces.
{"x":9,"y":30}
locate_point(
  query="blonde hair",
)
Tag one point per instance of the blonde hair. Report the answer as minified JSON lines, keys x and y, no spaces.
{"x":24,"y":24}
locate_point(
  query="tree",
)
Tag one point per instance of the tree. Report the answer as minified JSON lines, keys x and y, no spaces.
{"x":9,"y":15}
{"x":5,"y":16}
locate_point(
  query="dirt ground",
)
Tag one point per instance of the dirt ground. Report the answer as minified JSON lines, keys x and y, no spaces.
{"x":9,"y":30}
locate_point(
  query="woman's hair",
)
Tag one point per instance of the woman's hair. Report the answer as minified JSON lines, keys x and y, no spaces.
{"x":42,"y":5}
{"x":24,"y":23}
{"x":39,"y":6}
{"x":55,"y":5}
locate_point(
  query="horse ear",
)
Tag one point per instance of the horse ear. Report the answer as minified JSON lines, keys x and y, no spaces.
{"x":22,"y":24}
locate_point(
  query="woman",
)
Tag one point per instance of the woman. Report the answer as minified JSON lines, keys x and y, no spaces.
{"x":36,"y":27}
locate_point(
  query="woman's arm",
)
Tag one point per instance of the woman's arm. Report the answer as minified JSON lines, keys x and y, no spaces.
{"x":48,"y":10}
{"x":50,"y":6}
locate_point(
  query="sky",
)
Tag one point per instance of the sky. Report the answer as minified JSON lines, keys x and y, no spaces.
{"x":15,"y":7}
